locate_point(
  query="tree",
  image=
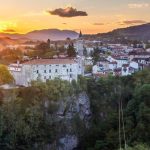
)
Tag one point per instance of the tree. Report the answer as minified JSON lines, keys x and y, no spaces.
{"x":5,"y":76}
{"x":71,"y":51}
{"x":48,"y":43}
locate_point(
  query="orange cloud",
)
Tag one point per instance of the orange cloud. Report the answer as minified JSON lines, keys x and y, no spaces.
{"x":67,"y":12}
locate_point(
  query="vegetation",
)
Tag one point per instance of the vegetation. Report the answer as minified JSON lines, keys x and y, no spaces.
{"x":105,"y":94}
{"x":139,"y":147}
{"x":8,"y":56}
{"x":71,"y":51}
{"x":28,"y":115}
{"x":5,"y":76}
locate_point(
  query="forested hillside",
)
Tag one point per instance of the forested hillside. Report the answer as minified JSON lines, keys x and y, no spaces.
{"x":85,"y":114}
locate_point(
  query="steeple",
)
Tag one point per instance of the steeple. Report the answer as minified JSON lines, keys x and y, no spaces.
{"x":80,"y":35}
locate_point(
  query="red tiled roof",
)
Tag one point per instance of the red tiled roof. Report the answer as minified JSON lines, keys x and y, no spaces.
{"x":114,"y":62}
{"x":49,"y":61}
{"x":125,"y":65}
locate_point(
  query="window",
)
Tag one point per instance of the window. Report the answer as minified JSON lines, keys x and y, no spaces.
{"x":45,"y":77}
{"x":70,"y":70}
{"x":70,"y":75}
{"x":44,"y":71}
{"x":67,"y":70}
{"x":64,"y":65}
{"x":49,"y":77}
{"x":37,"y":71}
{"x":49,"y":71}
{"x":57,"y":65}
{"x":56,"y":70}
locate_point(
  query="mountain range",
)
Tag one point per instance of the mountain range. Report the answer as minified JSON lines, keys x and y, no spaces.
{"x":138,"y":32}
{"x":43,"y":35}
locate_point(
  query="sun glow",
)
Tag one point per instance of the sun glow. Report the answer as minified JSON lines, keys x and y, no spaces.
{"x":7,"y":26}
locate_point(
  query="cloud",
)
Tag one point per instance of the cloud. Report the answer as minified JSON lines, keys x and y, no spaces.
{"x":9,"y":30}
{"x":98,"y":24}
{"x":67,"y":12}
{"x":130,"y":22}
{"x":138,"y":5}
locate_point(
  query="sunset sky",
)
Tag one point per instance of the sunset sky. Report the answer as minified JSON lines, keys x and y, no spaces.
{"x":91,"y":16}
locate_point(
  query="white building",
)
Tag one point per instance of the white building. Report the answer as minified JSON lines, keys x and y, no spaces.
{"x":113,"y":65}
{"x":45,"y":69}
{"x":120,"y":60}
{"x":79,"y":46}
{"x":88,"y":61}
{"x":125,"y":70}
{"x":97,"y":69}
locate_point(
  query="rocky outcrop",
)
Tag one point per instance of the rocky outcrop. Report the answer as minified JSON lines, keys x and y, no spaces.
{"x":68,"y":109}
{"x":69,"y":142}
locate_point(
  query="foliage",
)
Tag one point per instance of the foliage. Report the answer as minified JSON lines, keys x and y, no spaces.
{"x":8,"y":56}
{"x":28,"y":115}
{"x":71,"y":51}
{"x":5,"y":76}
{"x":105,"y":93}
{"x":139,"y":147}
{"x":26,"y":119}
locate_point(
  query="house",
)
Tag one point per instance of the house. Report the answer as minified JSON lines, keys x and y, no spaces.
{"x":99,"y":71}
{"x":45,"y":69}
{"x":112,"y":65}
{"x":144,"y":61}
{"x":135,"y":54}
{"x":103,"y":61}
{"x":120,"y":59}
{"x":125,"y":70}
{"x":88,"y":61}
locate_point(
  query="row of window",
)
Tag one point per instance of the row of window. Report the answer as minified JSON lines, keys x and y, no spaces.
{"x":56,"y":70}
{"x":55,"y":65}
{"x":51,"y":78}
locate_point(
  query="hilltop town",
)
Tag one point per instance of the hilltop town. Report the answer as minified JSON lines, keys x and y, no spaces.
{"x":67,"y":59}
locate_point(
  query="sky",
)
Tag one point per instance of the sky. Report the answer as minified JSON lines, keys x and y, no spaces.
{"x":89,"y":16}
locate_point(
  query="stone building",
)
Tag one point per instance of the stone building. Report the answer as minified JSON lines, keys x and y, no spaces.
{"x":45,"y":69}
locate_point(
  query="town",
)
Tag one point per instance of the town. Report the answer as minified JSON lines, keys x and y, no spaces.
{"x":75,"y":75}
{"x":69,"y":58}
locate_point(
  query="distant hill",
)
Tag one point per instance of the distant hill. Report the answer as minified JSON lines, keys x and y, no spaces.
{"x":139,"y":32}
{"x":10,"y":41}
{"x":6,"y":41}
{"x":53,"y":34}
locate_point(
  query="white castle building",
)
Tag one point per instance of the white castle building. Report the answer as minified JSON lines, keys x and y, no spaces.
{"x":45,"y":69}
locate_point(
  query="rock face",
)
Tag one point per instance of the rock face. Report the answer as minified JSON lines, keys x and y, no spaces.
{"x":68,"y":142}
{"x":79,"y":105}
{"x":67,"y":111}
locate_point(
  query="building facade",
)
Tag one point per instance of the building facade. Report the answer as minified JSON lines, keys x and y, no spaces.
{"x":45,"y":69}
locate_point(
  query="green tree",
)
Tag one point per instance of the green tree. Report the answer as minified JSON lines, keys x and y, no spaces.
{"x":5,"y":76}
{"x":71,"y":51}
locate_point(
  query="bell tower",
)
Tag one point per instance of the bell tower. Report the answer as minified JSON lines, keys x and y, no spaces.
{"x":80,"y":34}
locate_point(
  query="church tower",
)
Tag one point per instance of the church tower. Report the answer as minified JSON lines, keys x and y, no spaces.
{"x":80,"y":35}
